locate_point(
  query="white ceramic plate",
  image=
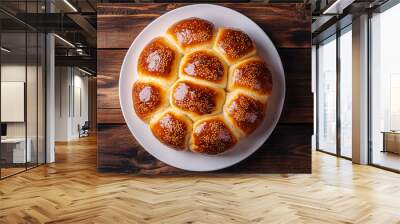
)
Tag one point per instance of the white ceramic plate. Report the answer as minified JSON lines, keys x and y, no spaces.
{"x":221,"y":17}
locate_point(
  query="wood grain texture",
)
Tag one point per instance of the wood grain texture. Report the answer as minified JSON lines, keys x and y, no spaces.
{"x":72,"y":191}
{"x":110,"y":116}
{"x":286,"y":24}
{"x":287,"y":150}
{"x":118,"y":150}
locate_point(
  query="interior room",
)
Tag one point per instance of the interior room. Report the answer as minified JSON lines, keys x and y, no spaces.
{"x":250,"y":111}
{"x":22,"y":99}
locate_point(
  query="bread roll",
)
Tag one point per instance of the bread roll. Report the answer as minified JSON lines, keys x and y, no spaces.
{"x":204,"y":65}
{"x":244,"y":112}
{"x":251,"y":75}
{"x":208,"y":99}
{"x":212,"y":136}
{"x":172,"y":128}
{"x":148,"y":98}
{"x":234,"y":45}
{"x":159,"y":60}
{"x":196,"y":100}
{"x":192,"y":33}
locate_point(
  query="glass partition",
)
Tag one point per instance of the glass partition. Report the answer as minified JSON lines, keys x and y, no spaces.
{"x":326,"y":97}
{"x":13,"y":95}
{"x":23,"y":90}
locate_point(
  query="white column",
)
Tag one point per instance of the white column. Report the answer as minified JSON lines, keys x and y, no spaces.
{"x":50,"y":100}
{"x":360,"y":90}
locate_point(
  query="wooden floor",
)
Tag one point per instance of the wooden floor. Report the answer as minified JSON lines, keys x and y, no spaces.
{"x":71,"y":191}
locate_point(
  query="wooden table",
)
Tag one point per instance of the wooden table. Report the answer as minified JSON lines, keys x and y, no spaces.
{"x":288,"y":150}
{"x":391,"y":141}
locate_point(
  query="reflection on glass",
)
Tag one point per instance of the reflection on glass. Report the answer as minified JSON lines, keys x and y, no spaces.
{"x":327,"y":96}
{"x":345,"y":94}
{"x":22,"y":90}
{"x":13,"y":85}
{"x":385,"y":92}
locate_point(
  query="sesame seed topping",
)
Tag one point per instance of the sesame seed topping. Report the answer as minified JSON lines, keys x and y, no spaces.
{"x":156,"y":59}
{"x":204,"y":65}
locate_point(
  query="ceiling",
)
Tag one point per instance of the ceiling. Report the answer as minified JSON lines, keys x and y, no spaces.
{"x":72,"y":20}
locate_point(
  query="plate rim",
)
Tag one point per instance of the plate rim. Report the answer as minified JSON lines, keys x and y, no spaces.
{"x":279,"y":110}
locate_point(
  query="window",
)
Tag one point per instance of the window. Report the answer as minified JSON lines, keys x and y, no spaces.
{"x":346,"y":92}
{"x":326,"y":94}
{"x":385,"y":89}
{"x":334,"y":106}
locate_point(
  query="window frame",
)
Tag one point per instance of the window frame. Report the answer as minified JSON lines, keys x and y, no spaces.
{"x":337,"y":34}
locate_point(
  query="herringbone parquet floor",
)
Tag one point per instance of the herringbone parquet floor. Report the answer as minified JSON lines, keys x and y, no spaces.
{"x":71,"y":191}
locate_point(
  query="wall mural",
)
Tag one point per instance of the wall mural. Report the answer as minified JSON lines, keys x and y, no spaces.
{"x":202,"y":88}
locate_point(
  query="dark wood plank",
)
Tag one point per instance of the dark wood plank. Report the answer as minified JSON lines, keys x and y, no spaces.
{"x":286,"y":151}
{"x":110,"y":116}
{"x":288,"y":25}
{"x":117,"y":150}
{"x":108,"y":67}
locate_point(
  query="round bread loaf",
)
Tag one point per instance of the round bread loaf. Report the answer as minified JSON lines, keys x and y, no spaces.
{"x":172,"y":128}
{"x":207,"y":99}
{"x":191,"y":33}
{"x":148,"y":98}
{"x":234,"y":45}
{"x":212,"y":136}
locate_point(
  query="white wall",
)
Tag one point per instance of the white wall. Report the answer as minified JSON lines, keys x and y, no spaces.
{"x":80,"y":110}
{"x":16,"y":73}
{"x":62,"y":81}
{"x":33,"y":127}
{"x":69,"y":112}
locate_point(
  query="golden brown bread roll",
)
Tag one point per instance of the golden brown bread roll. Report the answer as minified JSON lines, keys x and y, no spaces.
{"x":192,"y":33}
{"x":173,"y":92}
{"x":148,"y":98}
{"x":251,"y":75}
{"x":234,"y":45}
{"x":212,"y":136}
{"x":244,"y":112}
{"x":204,"y":65}
{"x":196,"y":100}
{"x":159,"y":59}
{"x":172,"y":128}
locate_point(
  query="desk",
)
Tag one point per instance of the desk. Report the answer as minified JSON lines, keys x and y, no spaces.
{"x":391,"y":141}
{"x":18,"y":149}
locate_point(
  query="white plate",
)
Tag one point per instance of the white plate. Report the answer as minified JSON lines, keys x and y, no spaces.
{"x":221,"y":17}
